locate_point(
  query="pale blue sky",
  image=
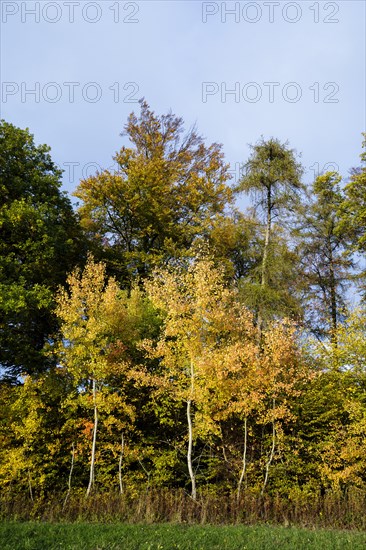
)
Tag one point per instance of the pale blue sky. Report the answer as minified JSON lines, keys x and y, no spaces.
{"x":167,"y":53}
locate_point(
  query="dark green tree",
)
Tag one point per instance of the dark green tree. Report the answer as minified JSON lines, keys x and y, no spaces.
{"x":354,"y":205}
{"x":39,"y":243}
{"x":352,"y":220}
{"x":326,"y":256}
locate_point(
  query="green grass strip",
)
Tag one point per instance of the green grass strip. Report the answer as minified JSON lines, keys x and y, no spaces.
{"x":82,"y":536}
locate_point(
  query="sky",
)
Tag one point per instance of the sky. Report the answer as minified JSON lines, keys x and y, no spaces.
{"x":72,"y":71}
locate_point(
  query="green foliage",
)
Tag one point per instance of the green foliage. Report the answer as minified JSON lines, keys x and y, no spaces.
{"x":273,"y":177}
{"x":326,"y":257}
{"x":352,"y":214}
{"x":353,"y":208}
{"x":38,"y":242}
{"x":279,"y":296}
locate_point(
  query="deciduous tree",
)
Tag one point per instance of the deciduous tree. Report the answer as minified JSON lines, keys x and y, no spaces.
{"x":93,"y":320}
{"x":39,"y":244}
{"x":168,"y":188}
{"x":196,"y":327}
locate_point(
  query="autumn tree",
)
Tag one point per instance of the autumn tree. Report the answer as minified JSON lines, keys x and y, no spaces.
{"x":235,"y":241}
{"x":211,"y":361}
{"x":93,"y":319}
{"x":341,"y":393}
{"x":33,"y":449}
{"x":39,"y":243}
{"x":168,"y":188}
{"x":285,"y":372}
{"x":195,"y":303}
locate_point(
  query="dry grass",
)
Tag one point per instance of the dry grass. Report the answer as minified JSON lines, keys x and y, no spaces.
{"x":175,"y":506}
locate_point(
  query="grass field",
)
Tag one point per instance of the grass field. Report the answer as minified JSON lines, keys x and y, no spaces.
{"x":82,"y":536}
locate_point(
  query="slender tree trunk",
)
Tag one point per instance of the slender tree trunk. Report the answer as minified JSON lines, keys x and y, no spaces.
{"x":333,"y":299}
{"x":30,"y":486}
{"x":244,"y":460}
{"x":148,"y":474}
{"x":270,"y":458}
{"x":92,"y":461}
{"x":190,"y":437}
{"x":189,"y":452}
{"x":120,"y":464}
{"x":267,"y":236}
{"x":70,"y":476}
{"x":264,"y":274}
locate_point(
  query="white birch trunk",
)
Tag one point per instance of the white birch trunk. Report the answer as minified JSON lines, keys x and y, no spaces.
{"x":120,"y":464}
{"x":70,"y":476}
{"x":92,"y":461}
{"x":190,"y":437}
{"x":244,"y":460}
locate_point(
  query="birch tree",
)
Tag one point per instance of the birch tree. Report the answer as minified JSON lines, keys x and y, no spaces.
{"x":92,"y":318}
{"x":195,"y":303}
